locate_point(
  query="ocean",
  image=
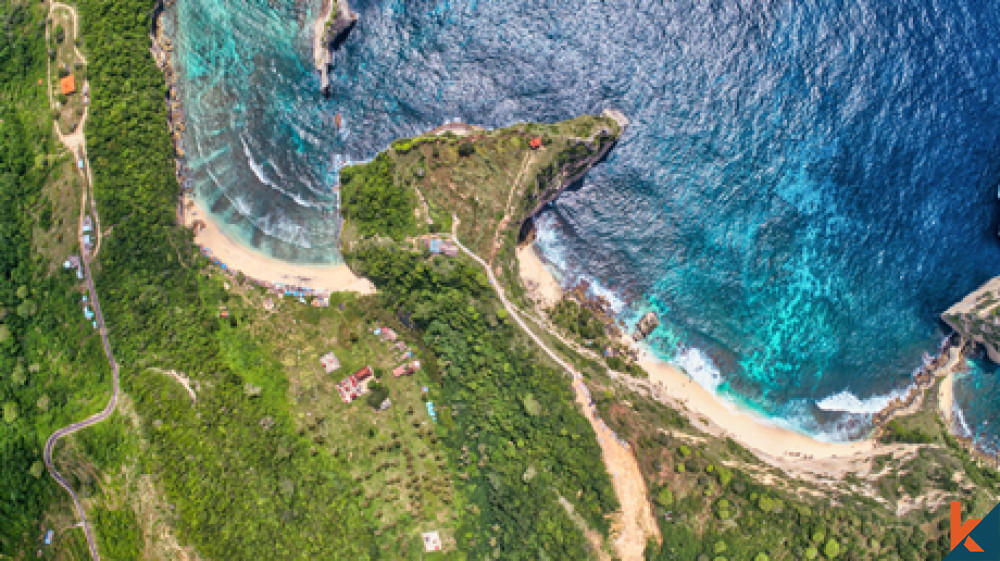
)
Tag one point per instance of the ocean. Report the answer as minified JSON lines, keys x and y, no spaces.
{"x":804,"y":187}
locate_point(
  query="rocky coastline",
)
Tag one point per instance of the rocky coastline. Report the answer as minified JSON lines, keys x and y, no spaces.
{"x":331,"y":29}
{"x":162,"y":48}
{"x":977,"y":318}
{"x":574,"y":170}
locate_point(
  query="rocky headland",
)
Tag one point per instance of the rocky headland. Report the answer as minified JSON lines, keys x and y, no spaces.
{"x":330,"y":30}
{"x":977,"y":318}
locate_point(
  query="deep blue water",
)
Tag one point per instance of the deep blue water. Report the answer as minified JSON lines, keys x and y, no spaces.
{"x":804,"y":188}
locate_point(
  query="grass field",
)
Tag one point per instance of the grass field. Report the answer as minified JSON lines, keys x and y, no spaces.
{"x":396,"y":461}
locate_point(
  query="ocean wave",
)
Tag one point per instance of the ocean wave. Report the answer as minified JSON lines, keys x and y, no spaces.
{"x":699,"y":367}
{"x":258,"y":171}
{"x":962,"y":427}
{"x":846,"y":402}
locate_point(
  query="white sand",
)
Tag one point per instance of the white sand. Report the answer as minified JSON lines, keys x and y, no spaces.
{"x":946,"y":399}
{"x":537,"y":279}
{"x":255,"y":265}
{"x":790,"y":450}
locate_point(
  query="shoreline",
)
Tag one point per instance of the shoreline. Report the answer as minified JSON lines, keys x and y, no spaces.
{"x":540,"y":284}
{"x":788,"y":449}
{"x":785,"y":448}
{"x":264,"y":269}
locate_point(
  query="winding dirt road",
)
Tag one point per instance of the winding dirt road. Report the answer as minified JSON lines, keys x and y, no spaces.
{"x":637,"y":522}
{"x":77,"y":144}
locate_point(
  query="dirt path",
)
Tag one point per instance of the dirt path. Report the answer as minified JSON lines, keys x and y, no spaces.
{"x":636,"y":523}
{"x":528,"y":159}
{"x":77,"y":144}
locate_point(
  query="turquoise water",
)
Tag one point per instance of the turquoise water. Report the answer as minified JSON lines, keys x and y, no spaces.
{"x":804,"y":188}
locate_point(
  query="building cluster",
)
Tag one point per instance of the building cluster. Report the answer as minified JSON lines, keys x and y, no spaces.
{"x":439,"y":246}
{"x":355,"y":385}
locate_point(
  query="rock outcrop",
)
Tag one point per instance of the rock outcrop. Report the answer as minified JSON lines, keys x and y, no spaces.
{"x":977,"y":318}
{"x":579,"y":160}
{"x":342,"y":20}
{"x":335,"y":29}
{"x":646,"y":325}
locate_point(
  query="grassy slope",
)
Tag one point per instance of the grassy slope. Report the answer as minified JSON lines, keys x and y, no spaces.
{"x":51,"y":368}
{"x":174,"y":327}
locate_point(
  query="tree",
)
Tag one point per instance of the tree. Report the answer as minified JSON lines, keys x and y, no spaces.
{"x":466,"y":149}
{"x":832,"y":549}
{"x":811,"y":553}
{"x":665,"y":497}
{"x":377,"y":394}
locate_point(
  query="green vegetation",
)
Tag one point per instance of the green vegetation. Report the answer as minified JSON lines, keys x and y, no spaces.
{"x":266,"y":462}
{"x":51,"y":367}
{"x":515,"y":456}
{"x":373,"y":201}
{"x":398,"y":465}
{"x":715,"y":499}
{"x":578,"y":320}
{"x":251,"y":486}
{"x":896,"y":432}
{"x":118,"y":533}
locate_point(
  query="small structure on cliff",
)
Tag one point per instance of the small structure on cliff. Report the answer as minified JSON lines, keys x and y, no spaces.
{"x":977,"y":318}
{"x":646,"y":325}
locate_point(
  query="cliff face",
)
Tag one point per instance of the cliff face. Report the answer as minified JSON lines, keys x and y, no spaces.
{"x":577,"y":161}
{"x":977,"y":317}
{"x":340,"y":24}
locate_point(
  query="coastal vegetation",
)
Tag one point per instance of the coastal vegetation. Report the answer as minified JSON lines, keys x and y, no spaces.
{"x":51,"y":367}
{"x":260,"y":459}
{"x":515,"y":435}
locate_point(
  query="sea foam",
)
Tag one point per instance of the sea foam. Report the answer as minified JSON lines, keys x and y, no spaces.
{"x":699,"y":367}
{"x":846,"y":402}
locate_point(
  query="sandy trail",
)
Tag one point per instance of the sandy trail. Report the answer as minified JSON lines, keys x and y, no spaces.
{"x":636,"y":522}
{"x":946,"y":400}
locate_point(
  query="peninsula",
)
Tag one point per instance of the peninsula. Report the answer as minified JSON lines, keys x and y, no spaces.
{"x":470,"y":407}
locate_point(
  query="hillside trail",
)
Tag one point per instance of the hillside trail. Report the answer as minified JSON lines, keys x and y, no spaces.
{"x":635,"y":523}
{"x":77,"y":144}
{"x":75,"y":141}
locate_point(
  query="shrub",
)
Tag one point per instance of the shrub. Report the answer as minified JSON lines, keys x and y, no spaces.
{"x":665,"y":497}
{"x":466,"y":149}
{"x":832,"y":549}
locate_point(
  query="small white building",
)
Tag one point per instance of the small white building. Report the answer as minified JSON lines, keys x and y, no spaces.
{"x":330,"y":362}
{"x":432,"y":541}
{"x":87,"y":224}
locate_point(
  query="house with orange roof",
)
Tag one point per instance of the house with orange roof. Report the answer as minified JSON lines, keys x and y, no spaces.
{"x":67,"y":84}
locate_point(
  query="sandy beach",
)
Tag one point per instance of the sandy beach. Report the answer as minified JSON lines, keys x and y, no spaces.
{"x":255,"y":265}
{"x":946,"y":400}
{"x":791,"y":451}
{"x":539,"y":282}
{"x":782,"y":447}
